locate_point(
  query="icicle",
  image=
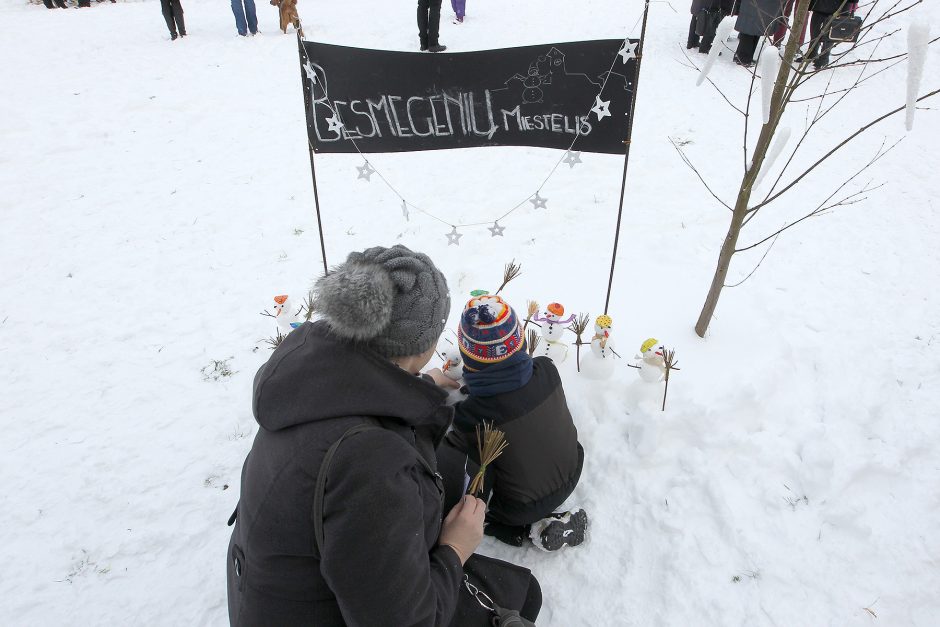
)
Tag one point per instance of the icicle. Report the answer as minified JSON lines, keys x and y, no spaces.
{"x":783,"y":136}
{"x":917,"y":37}
{"x":769,"y":67}
{"x":721,"y":36}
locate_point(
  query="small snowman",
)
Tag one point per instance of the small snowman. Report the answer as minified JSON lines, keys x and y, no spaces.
{"x":284,"y":314}
{"x":452,"y":361}
{"x":601,"y":344}
{"x":553,"y":329}
{"x":650,"y":364}
{"x":600,"y":363}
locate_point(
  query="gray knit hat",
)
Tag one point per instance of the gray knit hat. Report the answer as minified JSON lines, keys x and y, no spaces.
{"x":392,"y":299}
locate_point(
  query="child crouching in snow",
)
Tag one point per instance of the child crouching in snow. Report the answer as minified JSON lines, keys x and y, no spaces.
{"x":524,"y":399}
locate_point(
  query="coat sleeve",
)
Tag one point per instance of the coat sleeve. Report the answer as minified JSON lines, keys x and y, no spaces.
{"x":375,"y":557}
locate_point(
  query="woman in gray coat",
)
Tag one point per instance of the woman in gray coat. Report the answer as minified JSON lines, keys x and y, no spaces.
{"x":757,"y":18}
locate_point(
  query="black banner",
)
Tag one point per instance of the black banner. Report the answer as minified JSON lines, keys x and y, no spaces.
{"x":547,"y":95}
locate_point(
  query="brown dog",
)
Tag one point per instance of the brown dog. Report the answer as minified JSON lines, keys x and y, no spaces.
{"x":288,"y":11}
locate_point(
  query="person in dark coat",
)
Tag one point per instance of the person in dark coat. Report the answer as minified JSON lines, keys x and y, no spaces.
{"x":429,"y":25}
{"x":385,"y":557}
{"x":173,"y":14}
{"x":525,"y":400}
{"x":706,"y":16}
{"x":820,"y":45}
{"x":756,"y":19}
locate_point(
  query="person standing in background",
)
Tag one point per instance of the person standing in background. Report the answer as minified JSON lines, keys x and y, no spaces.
{"x":758,"y":18}
{"x":429,"y":24}
{"x":460,"y":9}
{"x":246,"y":20}
{"x":173,"y":14}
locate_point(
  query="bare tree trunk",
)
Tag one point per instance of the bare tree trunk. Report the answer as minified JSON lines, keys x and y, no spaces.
{"x":778,"y":104}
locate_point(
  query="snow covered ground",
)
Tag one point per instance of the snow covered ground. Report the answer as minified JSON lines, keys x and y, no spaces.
{"x":155,"y":195}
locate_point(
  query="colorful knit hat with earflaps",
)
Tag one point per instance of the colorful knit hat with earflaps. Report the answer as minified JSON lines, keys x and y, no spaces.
{"x":489,"y":333}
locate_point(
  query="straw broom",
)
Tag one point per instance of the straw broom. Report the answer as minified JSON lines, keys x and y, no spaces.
{"x":670,"y":363}
{"x":578,"y":327}
{"x":490,"y":443}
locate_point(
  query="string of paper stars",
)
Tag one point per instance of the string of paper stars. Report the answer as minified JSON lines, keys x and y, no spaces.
{"x":570,"y":157}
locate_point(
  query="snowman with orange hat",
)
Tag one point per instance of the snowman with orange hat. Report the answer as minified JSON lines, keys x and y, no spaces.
{"x":553,"y":329}
{"x":287,"y":319}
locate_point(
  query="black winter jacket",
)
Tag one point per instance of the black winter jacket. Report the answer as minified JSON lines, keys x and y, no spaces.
{"x":380,"y":563}
{"x":542,"y":464}
{"x":828,"y":7}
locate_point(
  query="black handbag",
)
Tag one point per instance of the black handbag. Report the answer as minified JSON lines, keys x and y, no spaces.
{"x":706,"y":22}
{"x":845,"y":28}
{"x":490,"y":587}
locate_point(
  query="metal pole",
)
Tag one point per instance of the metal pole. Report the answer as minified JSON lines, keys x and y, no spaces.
{"x":626,"y":156}
{"x":301,"y":53}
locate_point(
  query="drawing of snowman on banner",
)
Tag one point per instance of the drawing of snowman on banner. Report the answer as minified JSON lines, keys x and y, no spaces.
{"x":540,"y":72}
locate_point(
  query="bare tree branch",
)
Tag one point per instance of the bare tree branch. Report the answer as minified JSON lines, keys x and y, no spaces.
{"x":839,"y":147}
{"x":764,"y":256}
{"x":686,"y":160}
{"x":711,"y":82}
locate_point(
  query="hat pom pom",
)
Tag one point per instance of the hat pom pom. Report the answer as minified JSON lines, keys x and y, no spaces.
{"x":471,"y":316}
{"x":486,"y":315}
{"x":356,"y":299}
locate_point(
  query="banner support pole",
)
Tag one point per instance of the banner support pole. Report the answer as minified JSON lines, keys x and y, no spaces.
{"x":310,"y":148}
{"x":626,"y":156}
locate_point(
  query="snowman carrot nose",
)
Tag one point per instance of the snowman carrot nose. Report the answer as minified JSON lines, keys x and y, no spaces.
{"x":447,"y":365}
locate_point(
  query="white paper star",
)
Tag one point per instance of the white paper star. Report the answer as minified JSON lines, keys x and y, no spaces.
{"x":572,"y":158}
{"x":404,"y":210}
{"x":365,"y":171}
{"x":600,"y":108}
{"x":496,"y":229}
{"x":538,"y":202}
{"x":629,"y":50}
{"x":335,"y":125}
{"x":453,"y":238}
{"x":311,"y":74}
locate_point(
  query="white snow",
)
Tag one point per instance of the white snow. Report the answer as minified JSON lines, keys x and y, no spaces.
{"x":155,"y":195}
{"x":918,"y":35}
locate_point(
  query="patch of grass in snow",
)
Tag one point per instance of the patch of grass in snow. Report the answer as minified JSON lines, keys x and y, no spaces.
{"x":217,"y":370}
{"x":83,"y":566}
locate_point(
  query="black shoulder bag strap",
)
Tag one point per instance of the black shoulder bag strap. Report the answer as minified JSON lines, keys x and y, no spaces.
{"x":321,"y":481}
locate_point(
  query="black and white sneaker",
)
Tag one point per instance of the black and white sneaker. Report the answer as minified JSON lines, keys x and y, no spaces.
{"x":559,"y":530}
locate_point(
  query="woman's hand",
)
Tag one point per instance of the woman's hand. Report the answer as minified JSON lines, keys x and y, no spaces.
{"x":442,"y":379}
{"x":463,"y":528}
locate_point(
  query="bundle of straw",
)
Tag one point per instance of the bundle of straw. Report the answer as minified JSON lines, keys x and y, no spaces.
{"x":669,"y":361}
{"x":510,"y":272}
{"x":490,"y":443}
{"x":533,"y":341}
{"x":578,"y":327}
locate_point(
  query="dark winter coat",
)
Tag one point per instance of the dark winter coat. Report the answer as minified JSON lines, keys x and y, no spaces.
{"x":725,"y":6}
{"x":542,"y":464}
{"x":380,"y":563}
{"x":829,"y":7}
{"x":759,"y":17}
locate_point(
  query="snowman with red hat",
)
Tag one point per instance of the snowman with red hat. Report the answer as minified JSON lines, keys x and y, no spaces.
{"x":553,"y":330}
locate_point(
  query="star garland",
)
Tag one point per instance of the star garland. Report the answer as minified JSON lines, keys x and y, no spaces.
{"x":570,"y":157}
